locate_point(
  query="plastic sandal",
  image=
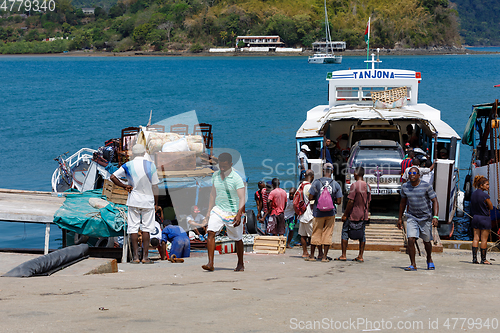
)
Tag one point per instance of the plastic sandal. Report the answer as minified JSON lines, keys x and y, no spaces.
{"x":410,"y":268}
{"x":430,"y":266}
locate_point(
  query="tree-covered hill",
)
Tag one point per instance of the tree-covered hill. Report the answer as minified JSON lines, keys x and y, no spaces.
{"x":174,"y":25}
{"x":479,"y":21}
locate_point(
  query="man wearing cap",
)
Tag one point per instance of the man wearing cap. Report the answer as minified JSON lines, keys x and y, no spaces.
{"x":324,"y":220}
{"x":142,"y":199}
{"x":197,"y":222}
{"x":303,"y":162}
{"x":226,"y":207}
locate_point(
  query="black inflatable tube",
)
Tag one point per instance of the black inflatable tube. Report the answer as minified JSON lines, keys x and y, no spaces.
{"x":49,"y":262}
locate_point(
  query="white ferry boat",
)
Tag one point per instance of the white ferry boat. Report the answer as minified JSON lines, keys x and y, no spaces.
{"x":353,"y":115}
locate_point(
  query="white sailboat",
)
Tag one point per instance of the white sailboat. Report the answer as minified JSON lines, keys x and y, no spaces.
{"x":326,"y":57}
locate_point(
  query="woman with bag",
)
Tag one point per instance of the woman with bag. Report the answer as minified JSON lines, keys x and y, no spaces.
{"x":356,"y":215}
{"x":481,"y":206}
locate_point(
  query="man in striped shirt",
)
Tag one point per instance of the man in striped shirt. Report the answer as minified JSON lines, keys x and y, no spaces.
{"x":422,"y":211}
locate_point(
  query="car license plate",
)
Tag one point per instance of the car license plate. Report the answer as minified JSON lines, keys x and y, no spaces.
{"x":381,"y":191}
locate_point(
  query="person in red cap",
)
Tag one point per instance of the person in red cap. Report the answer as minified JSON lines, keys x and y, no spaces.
{"x":197,"y":223}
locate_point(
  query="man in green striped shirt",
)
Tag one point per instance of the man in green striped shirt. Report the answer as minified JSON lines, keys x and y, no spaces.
{"x":226,"y":207}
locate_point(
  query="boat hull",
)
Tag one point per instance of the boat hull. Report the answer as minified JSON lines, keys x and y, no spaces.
{"x":325,"y":60}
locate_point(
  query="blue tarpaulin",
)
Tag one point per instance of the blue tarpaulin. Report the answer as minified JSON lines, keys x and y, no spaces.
{"x":77,"y":215}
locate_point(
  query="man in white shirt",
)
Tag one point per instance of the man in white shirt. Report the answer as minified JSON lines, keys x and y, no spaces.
{"x":303,"y":162}
{"x":423,"y":171}
{"x":142,"y":199}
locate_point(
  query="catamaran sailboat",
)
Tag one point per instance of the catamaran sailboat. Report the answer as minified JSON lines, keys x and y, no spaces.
{"x":326,"y":57}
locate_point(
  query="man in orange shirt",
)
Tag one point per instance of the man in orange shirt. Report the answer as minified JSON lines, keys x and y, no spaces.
{"x":277,"y":203}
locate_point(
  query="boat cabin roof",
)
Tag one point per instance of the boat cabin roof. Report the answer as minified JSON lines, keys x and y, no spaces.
{"x":321,"y":115}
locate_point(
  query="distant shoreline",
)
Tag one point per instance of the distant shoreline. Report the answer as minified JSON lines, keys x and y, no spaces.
{"x":347,"y":53}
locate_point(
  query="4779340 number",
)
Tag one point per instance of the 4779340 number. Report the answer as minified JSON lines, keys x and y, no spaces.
{"x":28,"y":5}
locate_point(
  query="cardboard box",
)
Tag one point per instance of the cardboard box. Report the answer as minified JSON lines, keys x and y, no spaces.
{"x":114,"y":193}
{"x":178,"y":161}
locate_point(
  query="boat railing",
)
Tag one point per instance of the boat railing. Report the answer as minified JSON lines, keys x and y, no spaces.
{"x":84,"y":154}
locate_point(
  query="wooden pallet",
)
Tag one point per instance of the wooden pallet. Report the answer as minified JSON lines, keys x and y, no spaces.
{"x":113,"y":193}
{"x":269,"y":244}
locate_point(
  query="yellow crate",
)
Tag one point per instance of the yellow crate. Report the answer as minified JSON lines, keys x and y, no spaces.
{"x":269,"y":244}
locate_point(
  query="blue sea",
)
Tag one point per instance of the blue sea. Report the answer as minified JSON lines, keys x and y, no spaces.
{"x":50,"y":105}
{"x":484,"y":48}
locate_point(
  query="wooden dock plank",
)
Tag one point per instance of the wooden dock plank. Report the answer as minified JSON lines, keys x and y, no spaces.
{"x":28,"y":206}
{"x":200,"y":172}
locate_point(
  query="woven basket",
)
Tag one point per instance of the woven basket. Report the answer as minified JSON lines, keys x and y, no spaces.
{"x":389,"y":96}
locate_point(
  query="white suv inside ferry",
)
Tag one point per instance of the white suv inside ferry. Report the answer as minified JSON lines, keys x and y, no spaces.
{"x":381,"y":160}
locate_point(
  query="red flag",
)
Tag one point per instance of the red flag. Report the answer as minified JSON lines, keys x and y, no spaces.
{"x":367,"y":32}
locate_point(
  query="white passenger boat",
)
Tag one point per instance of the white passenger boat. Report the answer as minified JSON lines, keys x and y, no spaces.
{"x":325,"y":58}
{"x":364,"y":105}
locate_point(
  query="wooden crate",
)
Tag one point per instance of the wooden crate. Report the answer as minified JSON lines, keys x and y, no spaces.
{"x":269,"y":244}
{"x":114,"y":193}
{"x":178,"y":161}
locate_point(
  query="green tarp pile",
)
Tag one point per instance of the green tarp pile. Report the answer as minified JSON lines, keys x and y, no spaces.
{"x":77,"y":215}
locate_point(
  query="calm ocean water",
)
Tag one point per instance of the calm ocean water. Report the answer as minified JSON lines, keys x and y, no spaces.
{"x":54,"y":104}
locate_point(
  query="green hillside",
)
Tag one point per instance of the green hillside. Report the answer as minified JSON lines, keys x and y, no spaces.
{"x":175,"y":25}
{"x":106,"y":4}
{"x":479,"y":21}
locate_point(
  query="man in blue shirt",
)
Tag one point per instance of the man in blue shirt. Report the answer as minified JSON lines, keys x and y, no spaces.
{"x":181,"y":246}
{"x":421,"y":203}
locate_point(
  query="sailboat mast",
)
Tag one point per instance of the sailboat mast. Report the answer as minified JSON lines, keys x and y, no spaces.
{"x":327,"y":33}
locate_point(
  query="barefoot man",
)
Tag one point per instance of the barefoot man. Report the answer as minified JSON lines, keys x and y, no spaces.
{"x":227,"y":204}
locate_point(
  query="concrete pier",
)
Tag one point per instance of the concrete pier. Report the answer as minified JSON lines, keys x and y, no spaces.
{"x":30,"y":207}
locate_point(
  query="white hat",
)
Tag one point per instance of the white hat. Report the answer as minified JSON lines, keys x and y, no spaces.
{"x":305,"y":147}
{"x":138,"y":149}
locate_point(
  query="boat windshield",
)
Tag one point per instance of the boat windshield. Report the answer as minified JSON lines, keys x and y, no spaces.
{"x":392,"y":135}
